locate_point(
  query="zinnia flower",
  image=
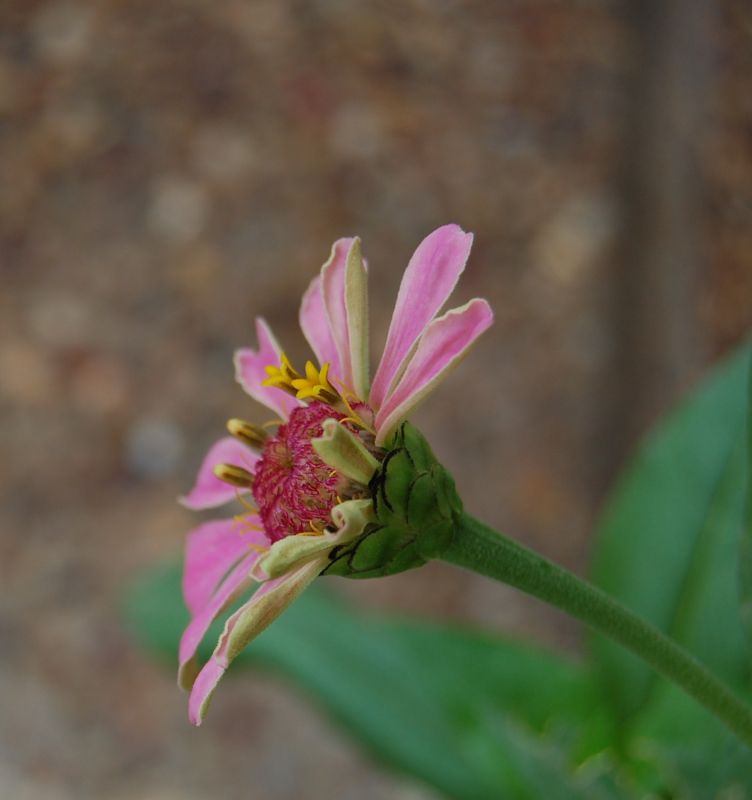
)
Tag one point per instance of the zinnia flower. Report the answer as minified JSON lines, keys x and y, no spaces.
{"x":304,"y":479}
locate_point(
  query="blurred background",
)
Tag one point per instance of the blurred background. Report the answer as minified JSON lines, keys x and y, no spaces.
{"x":170,"y":170}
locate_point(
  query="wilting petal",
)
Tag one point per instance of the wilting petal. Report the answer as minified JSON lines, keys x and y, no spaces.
{"x":315,"y":326}
{"x":350,"y":517}
{"x":211,"y":550}
{"x":356,"y":303}
{"x":266,"y":604}
{"x":209,"y":491}
{"x":333,"y":294}
{"x":441,"y":347}
{"x":428,"y":281}
{"x":250,"y":372}
{"x":203,"y":688}
{"x":232,"y":587}
{"x":342,"y":450}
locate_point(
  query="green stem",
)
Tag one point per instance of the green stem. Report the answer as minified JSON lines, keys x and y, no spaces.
{"x":481,"y":549}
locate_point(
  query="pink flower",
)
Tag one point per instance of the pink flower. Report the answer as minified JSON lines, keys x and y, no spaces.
{"x":305,"y":485}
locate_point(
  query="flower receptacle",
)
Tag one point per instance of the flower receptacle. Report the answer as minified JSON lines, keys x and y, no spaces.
{"x":415,"y":507}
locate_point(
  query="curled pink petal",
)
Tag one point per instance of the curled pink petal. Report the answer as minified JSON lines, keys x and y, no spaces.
{"x":250,"y":372}
{"x":234,"y":584}
{"x":203,"y":688}
{"x":333,"y":295}
{"x":315,"y":327}
{"x":211,"y":550}
{"x":266,"y":604}
{"x":444,"y":343}
{"x":209,"y":491}
{"x":428,"y":281}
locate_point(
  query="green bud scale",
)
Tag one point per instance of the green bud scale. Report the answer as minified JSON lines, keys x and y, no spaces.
{"x":416,"y":508}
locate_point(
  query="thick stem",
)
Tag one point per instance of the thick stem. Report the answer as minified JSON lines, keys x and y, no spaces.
{"x":481,"y":549}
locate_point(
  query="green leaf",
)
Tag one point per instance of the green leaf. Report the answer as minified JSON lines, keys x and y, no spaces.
{"x":471,"y":715}
{"x":746,"y":545}
{"x":668,"y":541}
{"x":695,"y":755}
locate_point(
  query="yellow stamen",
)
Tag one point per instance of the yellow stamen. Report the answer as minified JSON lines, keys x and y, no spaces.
{"x":235,"y":476}
{"x":314,"y":386}
{"x":344,"y":393}
{"x":244,"y":502}
{"x":287,"y":367}
{"x":253,"y":435}
{"x":355,"y":420}
{"x":312,"y":374}
{"x":281,"y":376}
{"x":242,"y":521}
{"x":253,"y":546}
{"x":245,"y":526}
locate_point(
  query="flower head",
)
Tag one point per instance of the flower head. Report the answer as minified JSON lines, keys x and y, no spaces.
{"x":309,"y":487}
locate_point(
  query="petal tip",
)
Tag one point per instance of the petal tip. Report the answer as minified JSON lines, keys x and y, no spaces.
{"x":454,"y":230}
{"x":203,"y":689}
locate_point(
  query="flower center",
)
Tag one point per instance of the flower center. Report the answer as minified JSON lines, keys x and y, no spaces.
{"x":294,"y":489}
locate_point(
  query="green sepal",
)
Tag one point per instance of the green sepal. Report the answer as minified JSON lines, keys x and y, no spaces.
{"x":416,"y":507}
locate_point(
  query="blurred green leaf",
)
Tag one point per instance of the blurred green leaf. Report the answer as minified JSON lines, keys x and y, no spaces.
{"x":460,"y":710}
{"x":696,"y":756}
{"x":668,"y":543}
{"x":746,"y":544}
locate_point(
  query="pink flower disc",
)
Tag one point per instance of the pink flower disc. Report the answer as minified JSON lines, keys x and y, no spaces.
{"x":294,"y":489}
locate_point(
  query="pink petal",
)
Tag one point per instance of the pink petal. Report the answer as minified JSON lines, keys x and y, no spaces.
{"x":203,"y":688}
{"x":250,"y":372}
{"x":315,"y":326}
{"x":211,"y":550}
{"x":266,"y":604}
{"x":209,"y":491}
{"x":333,"y":294}
{"x":444,"y":343}
{"x":428,"y":281}
{"x":236,"y":582}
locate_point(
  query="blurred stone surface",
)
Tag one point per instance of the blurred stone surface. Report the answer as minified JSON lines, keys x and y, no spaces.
{"x":167,"y":172}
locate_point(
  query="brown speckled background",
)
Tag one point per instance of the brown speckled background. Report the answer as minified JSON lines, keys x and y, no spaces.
{"x":169,"y":170}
